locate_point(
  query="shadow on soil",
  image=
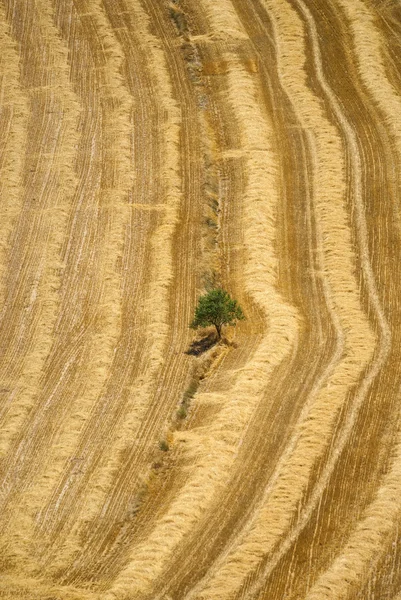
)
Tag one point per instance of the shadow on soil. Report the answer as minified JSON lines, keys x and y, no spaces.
{"x":200,"y":346}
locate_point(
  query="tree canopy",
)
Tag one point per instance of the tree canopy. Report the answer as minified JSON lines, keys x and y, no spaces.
{"x":217,"y":308}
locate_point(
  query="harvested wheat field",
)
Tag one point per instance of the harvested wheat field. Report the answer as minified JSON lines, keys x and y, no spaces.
{"x":151,"y":150}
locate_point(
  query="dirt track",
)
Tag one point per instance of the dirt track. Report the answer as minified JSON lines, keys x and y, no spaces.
{"x":148,"y":148}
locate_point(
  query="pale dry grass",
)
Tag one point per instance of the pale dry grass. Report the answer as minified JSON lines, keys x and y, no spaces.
{"x":213,"y":449}
{"x":54,"y":181}
{"x":13,"y":127}
{"x":224,"y":22}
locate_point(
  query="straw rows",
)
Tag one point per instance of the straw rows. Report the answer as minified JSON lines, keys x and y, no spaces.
{"x":147,"y":149}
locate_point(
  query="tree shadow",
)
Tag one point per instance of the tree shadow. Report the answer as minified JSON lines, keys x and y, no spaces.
{"x":198,"y":347}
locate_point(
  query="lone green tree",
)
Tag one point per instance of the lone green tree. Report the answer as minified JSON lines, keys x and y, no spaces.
{"x":217,"y":308}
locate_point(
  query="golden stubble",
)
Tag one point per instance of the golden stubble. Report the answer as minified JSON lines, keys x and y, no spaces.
{"x":55,"y":181}
{"x":156,"y":306}
{"x":224,"y":22}
{"x":212,"y":450}
{"x":355,"y":342}
{"x":13,"y":126}
{"x":371,"y":536}
{"x":112,"y":209}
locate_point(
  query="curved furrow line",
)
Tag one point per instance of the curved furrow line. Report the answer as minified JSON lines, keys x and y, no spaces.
{"x":117,"y":483}
{"x":211,"y":40}
{"x":388,"y":15}
{"x":33,"y":277}
{"x":32,"y":588}
{"x":321,"y":380}
{"x":121,"y":264}
{"x":261,"y":536}
{"x":358,"y":166}
{"x":313,"y":359}
{"x":367,"y":542}
{"x":364,"y":457}
{"x":33,"y":280}
{"x":85,"y":345}
{"x":148,"y":148}
{"x":223,"y":21}
{"x":212,"y":450}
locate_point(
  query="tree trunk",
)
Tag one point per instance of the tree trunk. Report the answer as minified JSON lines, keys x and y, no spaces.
{"x":218,"y":329}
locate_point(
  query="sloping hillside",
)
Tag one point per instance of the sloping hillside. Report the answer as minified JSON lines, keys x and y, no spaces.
{"x":150,"y":149}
